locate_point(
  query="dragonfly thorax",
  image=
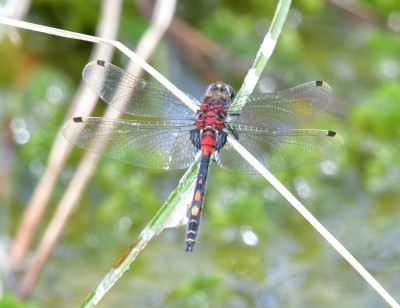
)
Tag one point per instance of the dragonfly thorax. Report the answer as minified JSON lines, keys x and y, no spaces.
{"x":211,"y":114}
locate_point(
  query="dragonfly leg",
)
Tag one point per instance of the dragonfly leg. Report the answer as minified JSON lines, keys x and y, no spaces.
{"x":233,"y":131}
{"x":221,"y":140}
{"x":195,"y":138}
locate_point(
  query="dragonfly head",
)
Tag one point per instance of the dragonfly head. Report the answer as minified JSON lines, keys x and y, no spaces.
{"x":221,"y":90}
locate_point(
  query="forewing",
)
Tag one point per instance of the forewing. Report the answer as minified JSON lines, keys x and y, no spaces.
{"x":151,"y":144}
{"x":285,"y":109}
{"x":132,"y":95}
{"x":280,"y":149}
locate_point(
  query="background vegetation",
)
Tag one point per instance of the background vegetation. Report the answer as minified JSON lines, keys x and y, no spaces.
{"x":254,"y":249}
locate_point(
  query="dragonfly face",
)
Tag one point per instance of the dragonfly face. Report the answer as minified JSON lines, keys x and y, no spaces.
{"x":222,"y":90}
{"x":265,"y":126}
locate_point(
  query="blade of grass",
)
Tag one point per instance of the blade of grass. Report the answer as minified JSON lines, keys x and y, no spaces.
{"x":264,"y":53}
{"x":156,"y":225}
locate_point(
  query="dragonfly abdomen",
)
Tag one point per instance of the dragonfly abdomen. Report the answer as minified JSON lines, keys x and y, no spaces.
{"x":197,"y":203}
{"x":210,"y":122}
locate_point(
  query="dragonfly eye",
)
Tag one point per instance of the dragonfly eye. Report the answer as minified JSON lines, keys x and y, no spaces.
{"x":221,"y":89}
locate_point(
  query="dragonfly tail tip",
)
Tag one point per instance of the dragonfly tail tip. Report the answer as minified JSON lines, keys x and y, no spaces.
{"x":189,"y":247}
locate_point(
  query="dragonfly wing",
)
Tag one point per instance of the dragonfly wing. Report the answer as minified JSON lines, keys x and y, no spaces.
{"x":285,"y":109}
{"x":280,"y":149}
{"x":132,"y":95}
{"x":151,"y":144}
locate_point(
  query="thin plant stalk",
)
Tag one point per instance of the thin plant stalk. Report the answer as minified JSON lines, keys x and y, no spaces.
{"x":94,"y":39}
{"x":314,"y":222}
{"x":267,"y":49}
{"x":108,"y":27}
{"x":161,"y":18}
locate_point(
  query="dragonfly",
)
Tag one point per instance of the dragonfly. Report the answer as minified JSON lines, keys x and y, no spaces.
{"x":167,"y":134}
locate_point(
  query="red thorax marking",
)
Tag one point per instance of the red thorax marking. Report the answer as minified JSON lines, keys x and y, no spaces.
{"x":210,"y":119}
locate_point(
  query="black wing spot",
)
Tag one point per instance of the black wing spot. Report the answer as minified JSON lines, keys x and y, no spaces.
{"x":319,"y":83}
{"x":331,"y":133}
{"x":77,"y":119}
{"x":101,"y":62}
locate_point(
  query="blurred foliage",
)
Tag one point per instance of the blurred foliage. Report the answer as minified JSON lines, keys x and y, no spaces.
{"x":354,"y":47}
{"x":8,"y":300}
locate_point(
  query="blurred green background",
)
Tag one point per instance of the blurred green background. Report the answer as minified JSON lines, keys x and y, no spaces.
{"x":254,"y":249}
